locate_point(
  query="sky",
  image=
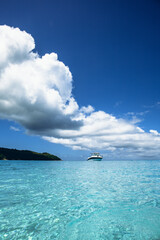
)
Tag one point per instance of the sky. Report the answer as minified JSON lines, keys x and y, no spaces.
{"x":81,"y":76}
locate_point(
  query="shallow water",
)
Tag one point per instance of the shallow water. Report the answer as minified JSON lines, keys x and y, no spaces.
{"x":80,"y":200}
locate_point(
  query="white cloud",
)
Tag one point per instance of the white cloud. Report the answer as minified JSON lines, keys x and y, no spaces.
{"x":88,"y":109}
{"x":105,"y":132}
{"x":36,"y":92}
{"x":154,"y":132}
{"x":14,"y":128}
{"x":15,"y":46}
{"x":136,"y":117}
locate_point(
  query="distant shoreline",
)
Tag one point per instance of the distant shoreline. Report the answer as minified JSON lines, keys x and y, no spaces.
{"x":14,"y":154}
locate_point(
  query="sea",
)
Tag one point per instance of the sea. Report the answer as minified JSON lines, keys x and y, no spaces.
{"x":79,"y":200}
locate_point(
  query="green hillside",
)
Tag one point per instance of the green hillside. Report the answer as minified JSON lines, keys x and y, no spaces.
{"x":14,"y":154}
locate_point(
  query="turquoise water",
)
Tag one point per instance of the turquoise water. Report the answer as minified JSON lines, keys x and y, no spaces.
{"x":79,"y":200}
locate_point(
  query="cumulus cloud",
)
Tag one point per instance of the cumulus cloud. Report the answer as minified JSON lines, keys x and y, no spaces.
{"x":105,"y":132}
{"x":36,"y":92}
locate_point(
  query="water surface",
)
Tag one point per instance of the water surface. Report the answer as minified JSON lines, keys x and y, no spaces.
{"x":80,"y":200}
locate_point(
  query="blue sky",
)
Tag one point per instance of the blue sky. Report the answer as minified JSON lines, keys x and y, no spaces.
{"x":112,"y":50}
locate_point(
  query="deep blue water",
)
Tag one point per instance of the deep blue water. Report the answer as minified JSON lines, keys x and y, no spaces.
{"x":80,"y":200}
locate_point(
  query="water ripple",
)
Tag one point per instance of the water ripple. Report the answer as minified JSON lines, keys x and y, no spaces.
{"x":80,"y":200}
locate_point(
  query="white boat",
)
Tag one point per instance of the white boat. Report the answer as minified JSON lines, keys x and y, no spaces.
{"x":95,"y":157}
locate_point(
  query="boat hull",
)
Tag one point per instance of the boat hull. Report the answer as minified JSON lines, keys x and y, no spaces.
{"x":94,"y":159}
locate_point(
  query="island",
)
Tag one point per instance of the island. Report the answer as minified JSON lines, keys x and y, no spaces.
{"x":14,"y":154}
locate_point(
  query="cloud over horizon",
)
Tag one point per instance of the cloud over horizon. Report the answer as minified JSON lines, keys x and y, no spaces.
{"x":36,"y":92}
